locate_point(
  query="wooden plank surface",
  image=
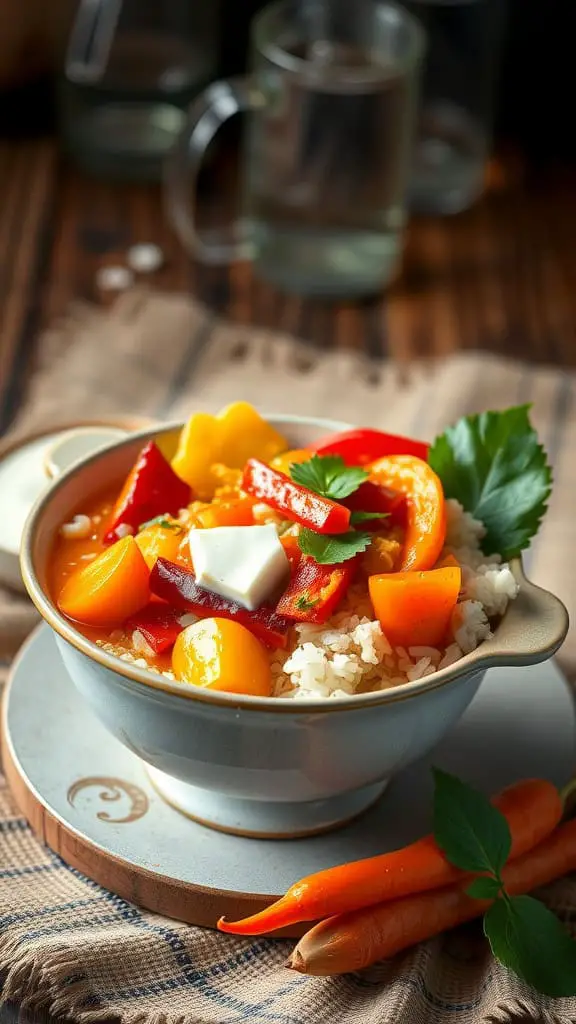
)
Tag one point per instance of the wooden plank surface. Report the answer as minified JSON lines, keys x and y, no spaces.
{"x":500,"y":277}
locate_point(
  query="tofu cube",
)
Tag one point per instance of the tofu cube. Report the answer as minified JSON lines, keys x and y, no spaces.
{"x":246,"y":564}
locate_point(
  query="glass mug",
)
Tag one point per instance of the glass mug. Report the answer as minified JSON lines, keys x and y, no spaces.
{"x":331,"y":112}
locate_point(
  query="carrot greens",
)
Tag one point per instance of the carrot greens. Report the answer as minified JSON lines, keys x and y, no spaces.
{"x":523,"y":934}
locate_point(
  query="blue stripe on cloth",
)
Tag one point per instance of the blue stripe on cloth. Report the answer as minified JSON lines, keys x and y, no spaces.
{"x":20,"y":872}
{"x":14,"y":825}
{"x":32,"y":915}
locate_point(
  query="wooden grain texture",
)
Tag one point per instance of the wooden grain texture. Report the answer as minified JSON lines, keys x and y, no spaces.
{"x":500,"y":277}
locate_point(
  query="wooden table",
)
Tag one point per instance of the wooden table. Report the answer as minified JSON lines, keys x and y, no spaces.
{"x":499,"y":277}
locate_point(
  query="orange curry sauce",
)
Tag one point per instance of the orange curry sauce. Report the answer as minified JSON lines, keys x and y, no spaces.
{"x":70,"y":554}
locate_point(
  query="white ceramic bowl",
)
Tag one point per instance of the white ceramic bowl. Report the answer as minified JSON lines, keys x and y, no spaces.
{"x":266,"y":766}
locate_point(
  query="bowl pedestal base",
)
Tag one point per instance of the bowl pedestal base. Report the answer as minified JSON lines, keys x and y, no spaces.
{"x":259,"y":819}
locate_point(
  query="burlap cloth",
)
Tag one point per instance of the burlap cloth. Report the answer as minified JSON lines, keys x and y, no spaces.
{"x":67,"y":945}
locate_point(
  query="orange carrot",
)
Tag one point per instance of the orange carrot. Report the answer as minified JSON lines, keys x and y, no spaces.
{"x":109,"y":589}
{"x":414,"y":608}
{"x":425,"y":506}
{"x":532,"y":808}
{"x":352,"y":941}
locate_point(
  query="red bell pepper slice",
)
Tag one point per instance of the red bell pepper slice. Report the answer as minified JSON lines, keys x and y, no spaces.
{"x":371,"y":497}
{"x":159,"y":624}
{"x":151,"y":489}
{"x":361,"y":446}
{"x":294,"y":501}
{"x":315,"y":590}
{"x":177,"y":585}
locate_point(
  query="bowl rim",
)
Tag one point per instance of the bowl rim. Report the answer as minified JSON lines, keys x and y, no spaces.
{"x":486,"y":655}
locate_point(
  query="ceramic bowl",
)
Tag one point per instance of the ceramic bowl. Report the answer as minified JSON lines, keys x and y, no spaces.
{"x":266,"y":766}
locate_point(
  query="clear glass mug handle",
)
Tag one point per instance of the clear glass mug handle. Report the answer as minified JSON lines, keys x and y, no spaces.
{"x":206,"y":115}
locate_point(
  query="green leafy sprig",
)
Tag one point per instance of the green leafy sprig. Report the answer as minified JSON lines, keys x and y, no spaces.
{"x":523,"y":934}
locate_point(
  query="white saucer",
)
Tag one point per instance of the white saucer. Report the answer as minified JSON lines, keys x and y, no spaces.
{"x":91,"y":799}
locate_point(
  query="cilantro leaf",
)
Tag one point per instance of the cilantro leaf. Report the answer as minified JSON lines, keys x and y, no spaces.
{"x":484,"y":888}
{"x":529,"y":939}
{"x":304,"y":604}
{"x":166,"y":524}
{"x":472,"y":833}
{"x":329,"y":476}
{"x":365,"y":517}
{"x":329,"y":549}
{"x":494,"y":465}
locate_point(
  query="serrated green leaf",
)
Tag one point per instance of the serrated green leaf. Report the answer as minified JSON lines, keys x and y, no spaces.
{"x":470,"y":831}
{"x":484,"y":888}
{"x":329,"y":476}
{"x":494,"y":465}
{"x":530,"y":940}
{"x":365,"y":517}
{"x":330,"y":549}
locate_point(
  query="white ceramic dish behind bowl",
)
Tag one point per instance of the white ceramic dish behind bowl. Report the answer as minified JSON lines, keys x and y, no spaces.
{"x":266,"y":766}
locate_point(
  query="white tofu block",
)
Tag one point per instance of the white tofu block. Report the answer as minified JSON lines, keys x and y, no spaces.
{"x":246,"y":564}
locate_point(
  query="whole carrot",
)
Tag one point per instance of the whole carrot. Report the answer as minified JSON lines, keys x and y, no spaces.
{"x":349,"y":942}
{"x":532,"y":807}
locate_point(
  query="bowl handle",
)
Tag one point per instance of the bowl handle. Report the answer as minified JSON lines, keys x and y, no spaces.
{"x":85,"y":439}
{"x":534,"y":628}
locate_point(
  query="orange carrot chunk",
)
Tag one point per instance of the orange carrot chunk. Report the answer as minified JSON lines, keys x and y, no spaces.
{"x":425,"y":506}
{"x":109,"y":589}
{"x":532,"y":808}
{"x":349,"y":942}
{"x":414,"y":608}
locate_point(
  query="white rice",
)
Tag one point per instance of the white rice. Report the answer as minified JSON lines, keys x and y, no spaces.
{"x":350,"y":654}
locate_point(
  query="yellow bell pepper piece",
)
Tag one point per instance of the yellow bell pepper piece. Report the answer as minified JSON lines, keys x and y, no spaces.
{"x":235,"y":435}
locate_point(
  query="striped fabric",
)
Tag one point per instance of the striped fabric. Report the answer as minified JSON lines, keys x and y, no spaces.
{"x":71,"y":947}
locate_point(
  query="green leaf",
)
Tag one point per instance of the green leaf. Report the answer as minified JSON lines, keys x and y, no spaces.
{"x":329,"y":549}
{"x":484,"y":888}
{"x":494,"y":465}
{"x":329,"y":476}
{"x":364,"y":517}
{"x":304,"y":604}
{"x":470,"y":831}
{"x":530,"y":940}
{"x":166,"y":524}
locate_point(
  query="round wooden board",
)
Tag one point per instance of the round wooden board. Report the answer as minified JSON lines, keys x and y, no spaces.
{"x":90,"y":799}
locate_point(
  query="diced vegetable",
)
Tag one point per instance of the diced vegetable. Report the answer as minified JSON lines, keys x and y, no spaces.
{"x":218,"y":654}
{"x":237,"y":512}
{"x":283,"y":462}
{"x":425,"y":528}
{"x":532,"y":808}
{"x":177,"y":585}
{"x":370,"y":497}
{"x":289,"y":542}
{"x":160,"y":540}
{"x":237,"y":433}
{"x":359,"y":447}
{"x":315,"y":590}
{"x":151,"y":489}
{"x":414,"y":608}
{"x":158,"y":624}
{"x":106,"y":591}
{"x":294,"y":501}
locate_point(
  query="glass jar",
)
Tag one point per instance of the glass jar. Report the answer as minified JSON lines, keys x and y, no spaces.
{"x":460,"y":76}
{"x":131,"y":70}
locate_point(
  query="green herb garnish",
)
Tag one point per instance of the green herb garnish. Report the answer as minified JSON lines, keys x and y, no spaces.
{"x":166,"y":524}
{"x":304,"y":604}
{"x":365,"y":517}
{"x":494,"y":465}
{"x":329,"y":549}
{"x":329,"y":476}
{"x":523,"y":934}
